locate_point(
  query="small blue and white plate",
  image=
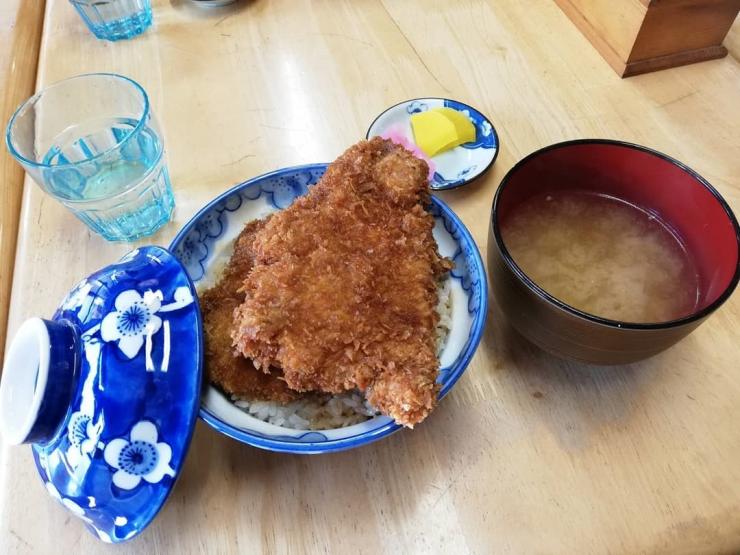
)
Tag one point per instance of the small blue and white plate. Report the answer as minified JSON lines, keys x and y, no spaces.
{"x":458,"y":166}
{"x":206,"y":241}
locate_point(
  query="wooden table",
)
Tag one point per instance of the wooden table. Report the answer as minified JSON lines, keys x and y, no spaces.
{"x":528,"y":453}
{"x":20,"y":34}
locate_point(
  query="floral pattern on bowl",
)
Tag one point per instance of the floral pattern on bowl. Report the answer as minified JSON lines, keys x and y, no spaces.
{"x":115,"y":458}
{"x":201,"y":252}
{"x":455,"y":167}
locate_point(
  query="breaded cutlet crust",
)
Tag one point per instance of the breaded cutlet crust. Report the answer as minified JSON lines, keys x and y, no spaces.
{"x":230,"y":372}
{"x":344,"y":287}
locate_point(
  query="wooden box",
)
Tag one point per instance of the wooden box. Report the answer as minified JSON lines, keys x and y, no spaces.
{"x":639,"y":36}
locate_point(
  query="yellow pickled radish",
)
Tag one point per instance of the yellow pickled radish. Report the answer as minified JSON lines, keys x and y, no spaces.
{"x":441,"y":129}
{"x":432,"y":131}
{"x":464,"y":127}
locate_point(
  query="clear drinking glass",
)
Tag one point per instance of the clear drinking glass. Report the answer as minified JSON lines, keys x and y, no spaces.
{"x":92,"y":143}
{"x":115,"y":19}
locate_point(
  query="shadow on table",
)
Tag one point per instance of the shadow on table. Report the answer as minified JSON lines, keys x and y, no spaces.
{"x":238,"y":485}
{"x":575,"y":401}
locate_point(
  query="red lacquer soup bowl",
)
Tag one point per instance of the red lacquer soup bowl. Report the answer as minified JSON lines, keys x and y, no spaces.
{"x":684,"y":201}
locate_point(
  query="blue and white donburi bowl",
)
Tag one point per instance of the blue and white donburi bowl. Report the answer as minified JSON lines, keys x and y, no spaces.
{"x":210,"y":234}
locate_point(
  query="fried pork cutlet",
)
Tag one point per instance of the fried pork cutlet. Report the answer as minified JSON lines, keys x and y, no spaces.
{"x":235,"y":374}
{"x":343,"y":290}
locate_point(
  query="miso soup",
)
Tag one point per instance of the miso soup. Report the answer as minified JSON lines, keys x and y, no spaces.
{"x":603,"y":256}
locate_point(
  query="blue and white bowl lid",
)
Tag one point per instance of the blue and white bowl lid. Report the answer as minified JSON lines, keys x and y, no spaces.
{"x":453,"y":168}
{"x":122,"y":386}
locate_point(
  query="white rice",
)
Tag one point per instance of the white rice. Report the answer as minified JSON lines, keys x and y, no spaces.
{"x":313,"y":412}
{"x":444,"y":309}
{"x":325,"y":411}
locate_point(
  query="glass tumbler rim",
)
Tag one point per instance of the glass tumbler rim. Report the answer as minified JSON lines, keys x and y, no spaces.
{"x":29,"y":101}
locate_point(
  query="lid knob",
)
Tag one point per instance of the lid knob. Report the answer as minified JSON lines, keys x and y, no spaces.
{"x":38,"y":380}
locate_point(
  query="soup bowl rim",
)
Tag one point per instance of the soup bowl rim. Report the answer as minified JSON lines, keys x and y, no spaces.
{"x":521,"y":276}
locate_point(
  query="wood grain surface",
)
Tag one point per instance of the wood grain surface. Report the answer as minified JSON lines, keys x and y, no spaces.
{"x":683,"y":26}
{"x":528,"y":454}
{"x":639,"y":36}
{"x":611,"y":26}
{"x":20,"y":36}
